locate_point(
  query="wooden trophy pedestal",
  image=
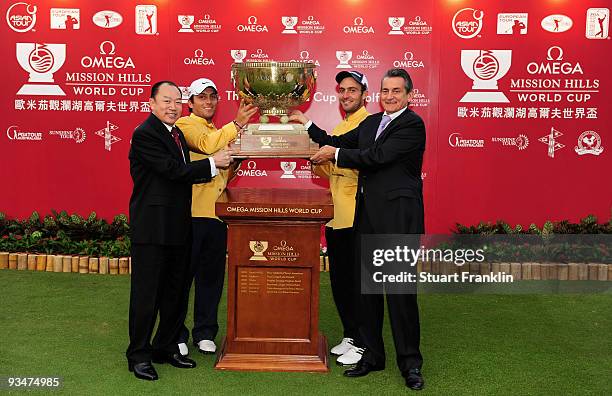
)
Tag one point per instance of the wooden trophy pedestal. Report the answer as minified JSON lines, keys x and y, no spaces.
{"x":273,"y":279}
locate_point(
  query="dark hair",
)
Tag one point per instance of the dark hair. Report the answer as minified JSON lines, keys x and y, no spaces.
{"x":157,"y":85}
{"x":400,"y":73}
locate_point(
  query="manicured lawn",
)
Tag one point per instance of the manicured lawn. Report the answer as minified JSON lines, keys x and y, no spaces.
{"x":75,"y":326}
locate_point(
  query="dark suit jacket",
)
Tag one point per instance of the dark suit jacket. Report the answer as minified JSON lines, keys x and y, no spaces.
{"x":160,"y":206}
{"x":389,"y":170}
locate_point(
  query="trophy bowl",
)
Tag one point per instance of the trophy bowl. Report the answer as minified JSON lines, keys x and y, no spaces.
{"x":274,"y":87}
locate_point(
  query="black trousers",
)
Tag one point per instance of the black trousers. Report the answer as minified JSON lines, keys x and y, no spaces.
{"x":344,"y":277}
{"x":157,"y":282}
{"x":208,"y":252}
{"x":403,"y":315}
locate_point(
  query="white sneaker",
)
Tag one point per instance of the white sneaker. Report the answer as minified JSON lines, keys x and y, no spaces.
{"x":183,"y":349}
{"x":207,"y":346}
{"x":353,"y":356}
{"x":343,"y":347}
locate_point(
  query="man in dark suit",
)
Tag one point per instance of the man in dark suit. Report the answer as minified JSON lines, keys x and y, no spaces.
{"x":160,"y":224}
{"x":387,"y":148}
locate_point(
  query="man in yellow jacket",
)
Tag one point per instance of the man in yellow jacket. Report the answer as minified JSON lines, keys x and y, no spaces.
{"x":209,"y":233}
{"x":343,"y":273}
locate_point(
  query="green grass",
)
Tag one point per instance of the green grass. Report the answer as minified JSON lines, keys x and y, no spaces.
{"x":75,"y":326}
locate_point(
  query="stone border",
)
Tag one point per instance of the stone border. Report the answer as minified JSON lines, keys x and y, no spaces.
{"x":123,"y":266}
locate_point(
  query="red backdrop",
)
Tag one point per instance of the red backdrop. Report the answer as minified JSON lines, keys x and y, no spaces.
{"x":514,"y":95}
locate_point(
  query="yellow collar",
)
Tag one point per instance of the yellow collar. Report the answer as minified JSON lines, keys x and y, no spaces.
{"x":359,"y":113}
{"x":202,"y":120}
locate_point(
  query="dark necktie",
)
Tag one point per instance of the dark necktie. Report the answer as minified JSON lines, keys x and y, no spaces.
{"x":177,"y":140}
{"x":383,"y":123}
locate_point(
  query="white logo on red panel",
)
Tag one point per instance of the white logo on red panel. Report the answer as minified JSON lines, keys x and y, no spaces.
{"x":107,"y":19}
{"x":146,"y":19}
{"x":358,"y":27}
{"x":521,"y":141}
{"x":512,"y":23}
{"x":598,"y":23}
{"x":252,"y":26}
{"x":467,"y":22}
{"x":305,"y":57}
{"x":289,"y":22}
{"x":310,"y":25}
{"x":419,"y":99}
{"x":288,"y":168}
{"x":251,"y":170}
{"x":557,"y":23}
{"x":204,"y":24}
{"x":78,"y":135}
{"x":40,"y":60}
{"x":186,"y":21}
{"x":485,"y":68}
{"x":14,"y":133}
{"x":21,"y":17}
{"x":106,"y":133}
{"x":551,"y":141}
{"x":65,"y":18}
{"x":238,"y":55}
{"x":259,"y":56}
{"x":589,"y":142}
{"x":365,"y":60}
{"x":199,"y":58}
{"x":408,"y":61}
{"x":456,"y":140}
{"x":344,"y":57}
{"x":396,"y":24}
{"x":418,"y":26}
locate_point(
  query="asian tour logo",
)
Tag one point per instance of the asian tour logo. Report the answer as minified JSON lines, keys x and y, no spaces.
{"x":40,"y":60}
{"x":485,"y":68}
{"x":21,"y":17}
{"x":467,"y":22}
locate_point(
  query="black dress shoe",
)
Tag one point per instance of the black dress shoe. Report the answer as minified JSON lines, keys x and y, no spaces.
{"x":361,"y":369}
{"x":414,"y":379}
{"x":143,"y":370}
{"x":176,"y":360}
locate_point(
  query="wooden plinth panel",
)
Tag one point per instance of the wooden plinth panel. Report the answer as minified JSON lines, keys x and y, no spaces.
{"x":275,"y":362}
{"x":273,"y":297}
